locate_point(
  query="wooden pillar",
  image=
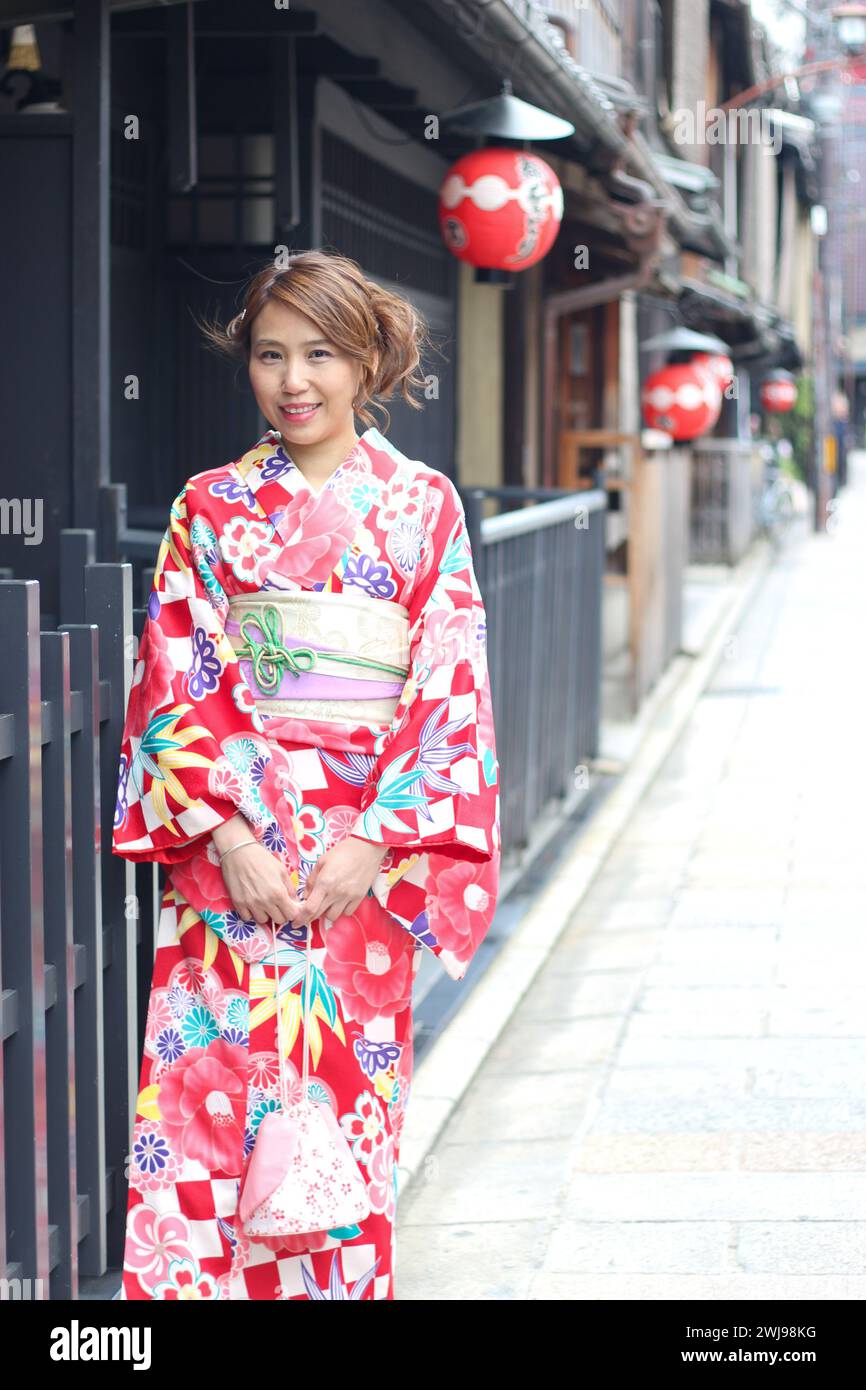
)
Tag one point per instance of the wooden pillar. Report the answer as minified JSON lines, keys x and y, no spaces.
{"x":296,"y":151}
{"x":91,"y":258}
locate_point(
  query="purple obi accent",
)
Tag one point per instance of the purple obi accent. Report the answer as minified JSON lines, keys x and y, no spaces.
{"x":310,"y":686}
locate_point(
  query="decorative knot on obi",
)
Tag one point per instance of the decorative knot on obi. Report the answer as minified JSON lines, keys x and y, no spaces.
{"x":315,"y":654}
{"x":270,"y":657}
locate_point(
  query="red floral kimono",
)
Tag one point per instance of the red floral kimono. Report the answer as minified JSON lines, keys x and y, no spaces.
{"x":198,"y":746}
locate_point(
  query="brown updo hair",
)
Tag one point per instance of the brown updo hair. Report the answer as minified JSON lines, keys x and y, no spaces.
{"x":355,"y":313}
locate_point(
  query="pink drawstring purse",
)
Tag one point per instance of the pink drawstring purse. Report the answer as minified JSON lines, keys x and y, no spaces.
{"x":302,"y":1175}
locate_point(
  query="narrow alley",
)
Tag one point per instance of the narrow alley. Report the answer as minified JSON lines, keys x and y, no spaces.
{"x":675,"y":1110}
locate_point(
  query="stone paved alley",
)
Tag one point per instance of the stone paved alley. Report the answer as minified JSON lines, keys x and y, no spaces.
{"x":677,"y":1108}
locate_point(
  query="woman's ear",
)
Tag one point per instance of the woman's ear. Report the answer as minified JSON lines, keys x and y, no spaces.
{"x":374,"y":368}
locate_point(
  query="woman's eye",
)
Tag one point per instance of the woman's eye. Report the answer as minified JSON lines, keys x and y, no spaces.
{"x":272,"y":352}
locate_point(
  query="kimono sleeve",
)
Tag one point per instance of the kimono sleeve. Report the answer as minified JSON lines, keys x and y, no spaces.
{"x":435,"y":781}
{"x":188,"y":697}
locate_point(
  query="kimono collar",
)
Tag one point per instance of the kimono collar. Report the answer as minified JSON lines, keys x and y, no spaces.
{"x":268,"y":462}
{"x":270,"y":480}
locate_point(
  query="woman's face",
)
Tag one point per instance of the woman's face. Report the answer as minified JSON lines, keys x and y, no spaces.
{"x":293,"y":364}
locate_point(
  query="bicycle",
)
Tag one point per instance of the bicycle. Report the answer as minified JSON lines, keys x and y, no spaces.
{"x":777,"y":513}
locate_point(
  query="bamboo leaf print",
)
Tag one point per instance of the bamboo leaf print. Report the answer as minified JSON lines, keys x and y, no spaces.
{"x":163,"y":750}
{"x":211,"y":947}
{"x":456,"y":556}
{"x":354,"y":768}
{"x":146,"y":1105}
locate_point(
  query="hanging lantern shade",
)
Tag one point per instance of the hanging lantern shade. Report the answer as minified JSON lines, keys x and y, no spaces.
{"x":721,"y":366}
{"x":508,"y":117}
{"x":681,"y":399}
{"x":778,"y":392}
{"x":500,"y":208}
{"x":682,"y":339}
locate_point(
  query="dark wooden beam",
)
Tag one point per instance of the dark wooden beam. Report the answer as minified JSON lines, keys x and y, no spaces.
{"x":254,"y":18}
{"x":294,"y":153}
{"x":91,"y":258}
{"x":14,"y":12}
{"x":322,"y":55}
{"x":384,"y":96}
{"x":287,"y":187}
{"x":249,"y":20}
{"x":180,"y":76}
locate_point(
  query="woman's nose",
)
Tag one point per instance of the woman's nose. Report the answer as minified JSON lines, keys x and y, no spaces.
{"x":294,"y":377}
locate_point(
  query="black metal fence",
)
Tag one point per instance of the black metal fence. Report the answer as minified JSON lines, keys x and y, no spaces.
{"x":77,"y":924}
{"x":541,"y":571}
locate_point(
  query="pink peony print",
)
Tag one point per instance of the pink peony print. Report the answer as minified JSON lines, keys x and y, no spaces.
{"x":280,"y":795}
{"x":382,"y":1169}
{"x":202,"y":1101}
{"x":369,"y":960}
{"x":153,"y":1240}
{"x":364,"y":1127}
{"x":316,"y":531}
{"x":153,"y":687}
{"x":200,"y":880}
{"x":443,"y":640}
{"x":403,"y":500}
{"x":320,"y":733}
{"x":246,"y":546}
{"x":458,"y":899}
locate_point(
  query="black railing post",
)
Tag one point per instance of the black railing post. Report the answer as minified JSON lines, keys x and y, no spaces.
{"x":148,"y":890}
{"x":87,"y":927}
{"x":23,"y":1097}
{"x":77,"y":551}
{"x":473,"y":506}
{"x":61,"y":1078}
{"x":108,"y":601}
{"x":112,"y":521}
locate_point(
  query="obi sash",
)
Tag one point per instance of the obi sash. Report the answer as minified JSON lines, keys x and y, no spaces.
{"x":312,"y":654}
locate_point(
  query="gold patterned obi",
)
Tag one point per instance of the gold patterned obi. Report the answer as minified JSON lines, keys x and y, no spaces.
{"x":320,"y":655}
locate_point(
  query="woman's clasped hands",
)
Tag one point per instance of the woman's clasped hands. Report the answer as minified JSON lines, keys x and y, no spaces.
{"x":259,"y":885}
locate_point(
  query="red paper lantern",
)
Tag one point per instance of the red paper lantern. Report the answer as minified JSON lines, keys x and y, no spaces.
{"x":500,"y":208}
{"x":682,"y":399}
{"x":778,"y":392}
{"x":719,"y":364}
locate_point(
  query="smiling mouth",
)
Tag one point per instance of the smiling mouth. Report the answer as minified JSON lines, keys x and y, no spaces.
{"x":294,"y":411}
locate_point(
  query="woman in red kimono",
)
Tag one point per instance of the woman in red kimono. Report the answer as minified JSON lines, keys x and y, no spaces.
{"x":309,"y":739}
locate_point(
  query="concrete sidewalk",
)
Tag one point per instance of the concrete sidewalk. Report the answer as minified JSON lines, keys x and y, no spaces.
{"x":675,"y":1109}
